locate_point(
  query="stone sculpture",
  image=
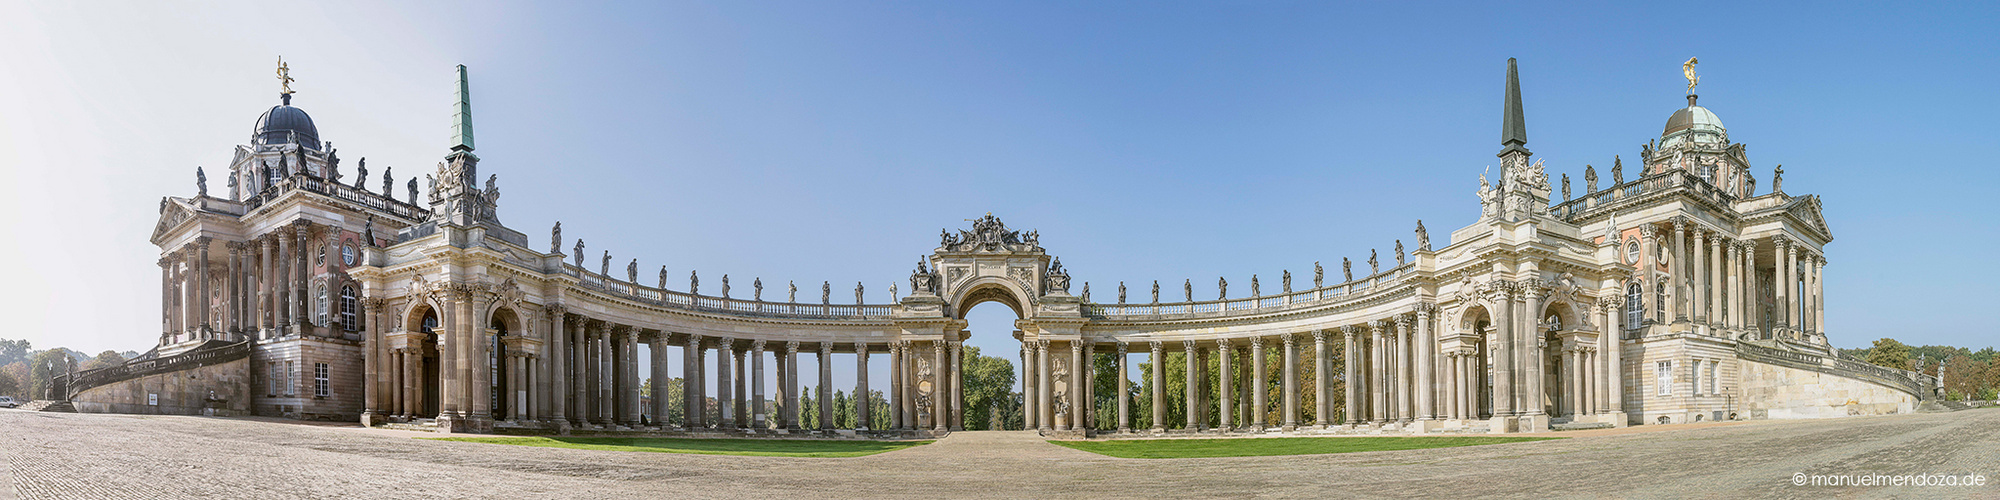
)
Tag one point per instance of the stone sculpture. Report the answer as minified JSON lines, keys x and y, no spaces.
{"x":757,"y":287}
{"x":1221,"y":288}
{"x":1589,"y":179}
{"x":1288,"y":281}
{"x":1319,"y":275}
{"x":200,"y":183}
{"x":555,"y":238}
{"x":1423,"y":237}
{"x":1617,"y":170}
{"x":694,"y":282}
{"x":725,"y":285}
{"x":361,"y":174}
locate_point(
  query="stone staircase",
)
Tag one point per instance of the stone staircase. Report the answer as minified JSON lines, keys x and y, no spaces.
{"x":1579,"y":426}
{"x":420,"y":425}
{"x":49,"y":405}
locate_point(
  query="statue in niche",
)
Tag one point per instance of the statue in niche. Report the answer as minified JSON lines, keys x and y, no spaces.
{"x":1121,"y":291}
{"x":663,"y":277}
{"x":1617,"y":170}
{"x":1255,"y":289}
{"x":632,"y":272}
{"x":1399,"y":253}
{"x":578,"y":255}
{"x":1777,"y":179}
{"x":1589,"y":179}
{"x":1319,"y":275}
{"x":1288,"y":281}
{"x":1346,"y":269}
{"x":200,"y":183}
{"x":857,"y":294}
{"x":793,"y":295}
{"x":361,"y":174}
{"x":1221,"y":288}
{"x":725,"y":285}
{"x":1423,"y":237}
{"x":1374,"y":266}
{"x":555,"y":238}
{"x":826,"y":292}
{"x":1187,"y":286}
{"x":757,"y":287}
{"x":694,"y":282}
{"x":604,"y":267}
{"x":1565,"y":187}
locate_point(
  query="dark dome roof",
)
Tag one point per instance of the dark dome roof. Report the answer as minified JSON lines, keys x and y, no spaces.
{"x":277,"y":126}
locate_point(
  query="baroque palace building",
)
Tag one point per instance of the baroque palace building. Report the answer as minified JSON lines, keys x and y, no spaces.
{"x":1679,"y":294}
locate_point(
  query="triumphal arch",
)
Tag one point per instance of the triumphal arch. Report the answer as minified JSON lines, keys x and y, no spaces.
{"x":1680,"y":293}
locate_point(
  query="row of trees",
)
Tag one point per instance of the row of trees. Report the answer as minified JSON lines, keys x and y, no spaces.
{"x":1968,"y":374}
{"x":25,"y":372}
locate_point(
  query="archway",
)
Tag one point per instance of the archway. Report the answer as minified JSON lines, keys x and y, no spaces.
{"x":992,"y":358}
{"x":503,"y":326}
{"x":1558,"y":325}
{"x":421,"y":362}
{"x":1476,"y":362}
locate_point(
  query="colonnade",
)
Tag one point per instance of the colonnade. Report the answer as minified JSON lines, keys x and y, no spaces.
{"x":1718,"y":281}
{"x":256,"y":287}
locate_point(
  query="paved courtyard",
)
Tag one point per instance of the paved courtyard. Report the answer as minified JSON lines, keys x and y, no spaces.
{"x":122,"y":456}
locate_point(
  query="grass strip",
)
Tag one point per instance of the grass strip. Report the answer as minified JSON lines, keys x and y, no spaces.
{"x":1264,"y":447}
{"x":748,"y":447}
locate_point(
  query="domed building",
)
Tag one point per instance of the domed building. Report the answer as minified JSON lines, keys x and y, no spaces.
{"x":1680,"y":294}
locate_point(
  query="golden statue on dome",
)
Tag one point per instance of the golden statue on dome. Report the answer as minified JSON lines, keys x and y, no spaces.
{"x":284,"y":77}
{"x":1687,"y":69}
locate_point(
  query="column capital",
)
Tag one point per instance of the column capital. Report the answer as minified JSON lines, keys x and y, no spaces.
{"x":757,"y":345}
{"x":1680,"y":223}
{"x":1042,"y":344}
{"x":1121,"y":347}
{"x":1222,"y":343}
{"x":1188,"y":345}
{"x":555,"y":310}
{"x":1076,"y":347}
{"x":1319,"y":335}
{"x":1286,"y":337}
{"x":826,"y":348}
{"x":1157,"y":347}
{"x":1257,"y":343}
{"x":1350,"y":330}
{"x":1403,"y":321}
{"x":792,"y":347}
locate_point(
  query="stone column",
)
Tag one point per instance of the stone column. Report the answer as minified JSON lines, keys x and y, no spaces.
{"x":630,"y":374}
{"x":1427,"y":353}
{"x":1192,"y":385}
{"x":690,"y":374}
{"x":1044,"y":394}
{"x":1452,"y":396}
{"x":1089,"y":383}
{"x":790,"y":418}
{"x":1697,"y":297}
{"x":1291,"y":382}
{"x":1819,"y":294}
{"x":1781,"y":276}
{"x":1351,"y":367}
{"x":1716,"y":287}
{"x":201,"y":291}
{"x":1614,"y":376}
{"x":957,"y":384}
{"x":1124,"y":391}
{"x":1678,"y":270}
{"x":725,"y":385}
{"x":1503,"y":352}
{"x":1159,"y":387}
{"x":1322,"y":408}
{"x":1227,"y":385}
{"x":230,"y":300}
{"x":862,"y":398}
{"x":940,"y":414}
{"x":1405,"y":400}
{"x":301,"y":295}
{"x":1029,"y":414}
{"x":758,"y":421}
{"x":1260,"y":402}
{"x":825,"y":385}
{"x":413,"y":384}
{"x":578,"y":367}
{"x":1377,"y":402}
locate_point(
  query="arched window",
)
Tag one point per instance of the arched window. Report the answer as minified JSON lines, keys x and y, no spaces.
{"x":321,"y":309}
{"x":1635,"y":305}
{"x":1661,"y":289}
{"x":348,"y":308}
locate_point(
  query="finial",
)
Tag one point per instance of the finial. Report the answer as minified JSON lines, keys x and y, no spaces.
{"x":284,"y":81}
{"x":1513,"y":127}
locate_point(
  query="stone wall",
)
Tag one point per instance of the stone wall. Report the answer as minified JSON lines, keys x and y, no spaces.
{"x":218,"y":389}
{"x":1771,"y":391}
{"x":294,"y":395}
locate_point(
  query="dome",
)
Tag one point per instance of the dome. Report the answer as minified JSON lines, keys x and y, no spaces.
{"x":277,"y":126}
{"x":1693,"y":123}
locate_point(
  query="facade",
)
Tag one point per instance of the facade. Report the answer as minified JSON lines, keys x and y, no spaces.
{"x":1678,"y":295}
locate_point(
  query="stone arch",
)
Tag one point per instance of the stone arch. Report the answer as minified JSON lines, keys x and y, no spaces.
{"x":991,"y":289}
{"x":501,"y":324}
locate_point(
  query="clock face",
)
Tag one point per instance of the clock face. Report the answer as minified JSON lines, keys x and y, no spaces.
{"x":347,"y":254}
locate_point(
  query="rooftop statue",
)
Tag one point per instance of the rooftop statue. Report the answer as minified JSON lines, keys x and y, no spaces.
{"x":694,"y":282}
{"x":663,"y":277}
{"x":792,"y":296}
{"x":1156,"y":291}
{"x":725,"y":285}
{"x":1399,"y":252}
{"x":632,"y":272}
{"x":604,"y":267}
{"x":1221,"y":288}
{"x":1617,"y":170}
{"x":200,"y":183}
{"x":826,"y":292}
{"x":361,"y":174}
{"x":389,"y":182}
{"x":1346,"y":269}
{"x":1423,"y":237}
{"x":1187,"y":286}
{"x":1687,"y":69}
{"x":555,"y":238}
{"x":1255,"y":289}
{"x":757,"y":285}
{"x":1589,"y":179}
{"x":1288,"y":281}
{"x":578,"y":256}
{"x":1121,"y":291}
{"x":1319,"y":274}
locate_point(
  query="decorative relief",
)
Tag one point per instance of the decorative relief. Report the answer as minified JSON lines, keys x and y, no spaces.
{"x":988,"y":234}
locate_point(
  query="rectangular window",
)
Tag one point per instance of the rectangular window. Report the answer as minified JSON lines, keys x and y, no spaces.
{"x":1664,"y":372}
{"x":1696,"y":389}
{"x":320,"y":388}
{"x":1714,"y":377}
{"x":276,"y":379}
{"x":291,"y":379}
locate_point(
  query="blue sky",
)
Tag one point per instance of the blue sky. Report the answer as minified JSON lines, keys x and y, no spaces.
{"x":829,"y":141}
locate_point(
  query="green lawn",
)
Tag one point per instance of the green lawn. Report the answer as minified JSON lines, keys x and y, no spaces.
{"x":752,"y":447}
{"x":1261,"y":447}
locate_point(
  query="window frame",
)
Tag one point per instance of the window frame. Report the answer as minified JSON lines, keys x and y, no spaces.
{"x":349,"y":309}
{"x":322,"y":375}
{"x":347,"y":255}
{"x":1663,"y":374}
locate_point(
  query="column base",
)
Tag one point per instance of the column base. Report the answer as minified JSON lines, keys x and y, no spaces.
{"x":1422,"y":426}
{"x":370,"y":419}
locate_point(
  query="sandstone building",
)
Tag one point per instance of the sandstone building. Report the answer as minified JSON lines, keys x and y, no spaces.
{"x":1679,"y":294}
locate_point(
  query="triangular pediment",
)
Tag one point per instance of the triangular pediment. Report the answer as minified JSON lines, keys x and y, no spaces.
{"x":1807,"y":210}
{"x":173,"y":212}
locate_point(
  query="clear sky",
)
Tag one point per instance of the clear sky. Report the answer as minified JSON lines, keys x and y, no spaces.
{"x":830,"y":141}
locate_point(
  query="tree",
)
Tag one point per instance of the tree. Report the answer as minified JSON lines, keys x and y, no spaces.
{"x":17,"y":372}
{"x":988,"y":389}
{"x":1964,"y":375}
{"x":44,"y":366}
{"x":808,"y":409}
{"x":12,"y":351}
{"x":104,"y":359}
{"x":1890,"y":353}
{"x":9,"y":386}
{"x":843,"y":411}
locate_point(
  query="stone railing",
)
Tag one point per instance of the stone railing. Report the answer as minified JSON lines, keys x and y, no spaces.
{"x":683,"y":300}
{"x":136,"y":368}
{"x":340,"y":192}
{"x":1903,"y":380}
{"x":1644,"y":186}
{"x":1250,"y":305}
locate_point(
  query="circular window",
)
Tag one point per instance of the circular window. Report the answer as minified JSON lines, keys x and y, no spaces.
{"x":347,"y":255}
{"x":1632,"y":252}
{"x":322,"y":255}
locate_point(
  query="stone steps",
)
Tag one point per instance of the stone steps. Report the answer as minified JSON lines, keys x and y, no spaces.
{"x":49,"y":405}
{"x":419,"y":425}
{"x":1579,"y":426}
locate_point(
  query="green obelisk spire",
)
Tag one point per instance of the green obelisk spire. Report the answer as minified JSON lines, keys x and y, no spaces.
{"x":461,"y":115}
{"x":1513,"y":127}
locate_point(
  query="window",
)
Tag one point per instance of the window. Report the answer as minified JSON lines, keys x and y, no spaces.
{"x":320,"y":386}
{"x":276,"y":380}
{"x":1663,"y":372}
{"x":291,"y":378}
{"x":322,"y":255}
{"x":321,"y":309}
{"x":1714,"y":377}
{"x":1635,"y":305}
{"x":1660,"y":290}
{"x":347,"y":255}
{"x":347,"y":308}
{"x":1696,"y":389}
{"x":1632,"y":253}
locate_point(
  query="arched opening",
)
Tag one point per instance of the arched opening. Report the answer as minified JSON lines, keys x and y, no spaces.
{"x":992,"y":359}
{"x":1477,"y":362}
{"x":1558,"y":321}
{"x":420,"y":361}
{"x":503,"y":390}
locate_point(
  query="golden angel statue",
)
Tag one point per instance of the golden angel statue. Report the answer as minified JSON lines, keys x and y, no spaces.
{"x":1687,"y":69}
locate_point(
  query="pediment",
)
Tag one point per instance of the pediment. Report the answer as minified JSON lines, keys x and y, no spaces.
{"x":1807,"y":209}
{"x":173,"y":212}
